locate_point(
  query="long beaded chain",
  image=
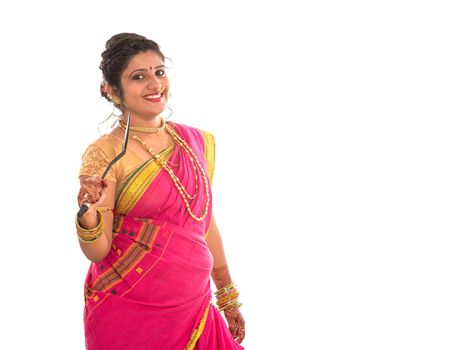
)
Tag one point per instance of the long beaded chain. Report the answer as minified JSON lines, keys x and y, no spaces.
{"x":150,"y":149}
{"x":180,"y":187}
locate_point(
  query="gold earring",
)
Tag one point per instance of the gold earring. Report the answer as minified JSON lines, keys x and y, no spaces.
{"x":116,"y":100}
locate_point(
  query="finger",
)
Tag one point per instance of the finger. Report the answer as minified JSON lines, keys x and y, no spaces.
{"x":240,"y":330}
{"x":236,"y":330}
{"x":85,"y":198}
{"x":238,"y":334}
{"x":241,"y":321}
{"x":240,"y":327}
{"x":82,"y":197}
{"x":231,"y":325}
{"x":242,"y":334}
{"x":91,"y":197}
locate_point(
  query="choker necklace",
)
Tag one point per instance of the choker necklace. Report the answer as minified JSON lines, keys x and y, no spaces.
{"x":145,"y":129}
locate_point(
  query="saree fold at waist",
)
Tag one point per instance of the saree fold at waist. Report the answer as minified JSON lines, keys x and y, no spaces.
{"x":152,"y":289}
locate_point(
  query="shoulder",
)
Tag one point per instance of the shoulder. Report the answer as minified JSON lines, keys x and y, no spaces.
{"x":98,"y":156}
{"x":107,"y":145}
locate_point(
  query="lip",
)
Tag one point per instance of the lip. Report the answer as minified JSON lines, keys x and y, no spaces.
{"x":154,"y":99}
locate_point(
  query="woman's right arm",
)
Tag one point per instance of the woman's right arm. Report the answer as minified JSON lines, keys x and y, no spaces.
{"x":100,"y":194}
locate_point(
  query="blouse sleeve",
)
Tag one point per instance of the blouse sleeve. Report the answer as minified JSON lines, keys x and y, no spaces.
{"x":209,"y":153}
{"x":94,"y":162}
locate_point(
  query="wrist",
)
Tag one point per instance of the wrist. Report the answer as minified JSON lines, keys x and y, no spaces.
{"x":227,"y":298}
{"x":90,"y":235}
{"x":89,"y":219}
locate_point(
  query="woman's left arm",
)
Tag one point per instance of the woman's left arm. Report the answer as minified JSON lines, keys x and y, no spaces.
{"x":222,"y":277}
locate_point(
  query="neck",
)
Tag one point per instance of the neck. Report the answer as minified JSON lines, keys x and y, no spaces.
{"x":146,"y":122}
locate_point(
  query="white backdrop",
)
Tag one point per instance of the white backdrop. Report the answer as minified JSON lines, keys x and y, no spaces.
{"x":342,"y":185}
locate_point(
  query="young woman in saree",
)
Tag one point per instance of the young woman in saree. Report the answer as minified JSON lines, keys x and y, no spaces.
{"x":149,"y":231}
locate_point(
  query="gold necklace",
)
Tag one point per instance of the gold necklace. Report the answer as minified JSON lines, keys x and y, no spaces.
{"x":180,"y":187}
{"x":144,"y":128}
{"x":157,"y":131}
{"x":165,"y":165}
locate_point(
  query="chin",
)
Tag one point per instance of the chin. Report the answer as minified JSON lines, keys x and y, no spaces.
{"x":154,"y":114}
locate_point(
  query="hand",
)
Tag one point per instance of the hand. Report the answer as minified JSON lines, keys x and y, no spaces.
{"x":236,"y":323}
{"x":92,"y":190}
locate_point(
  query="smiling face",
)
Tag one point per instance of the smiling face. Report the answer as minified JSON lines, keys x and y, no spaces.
{"x":145,"y":86}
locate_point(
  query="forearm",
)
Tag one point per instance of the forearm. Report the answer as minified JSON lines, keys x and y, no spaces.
{"x":220,"y":273}
{"x":226,"y":294}
{"x":101,"y":193}
{"x":221,"y":276}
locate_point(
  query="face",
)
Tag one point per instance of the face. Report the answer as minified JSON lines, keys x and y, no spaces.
{"x":145,"y":85}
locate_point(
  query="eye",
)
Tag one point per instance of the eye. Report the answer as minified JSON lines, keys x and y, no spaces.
{"x":138,"y":77}
{"x":160,"y":72}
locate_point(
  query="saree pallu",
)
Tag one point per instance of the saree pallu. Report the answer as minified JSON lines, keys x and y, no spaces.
{"x":152,"y":290}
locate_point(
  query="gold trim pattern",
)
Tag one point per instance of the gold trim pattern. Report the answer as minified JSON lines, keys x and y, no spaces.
{"x":138,"y":183}
{"x":198,"y":331}
{"x":209,"y":152}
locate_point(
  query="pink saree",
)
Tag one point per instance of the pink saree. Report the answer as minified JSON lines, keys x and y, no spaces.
{"x":152,"y":291}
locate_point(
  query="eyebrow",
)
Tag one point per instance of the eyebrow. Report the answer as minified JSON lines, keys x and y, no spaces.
{"x":145,"y":69}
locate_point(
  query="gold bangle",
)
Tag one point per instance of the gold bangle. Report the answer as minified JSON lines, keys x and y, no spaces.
{"x":225,"y":289}
{"x":90,"y":240}
{"x":90,"y":235}
{"x":89,"y":230}
{"x":231,"y":305}
{"x":230,"y":302}
{"x":228,"y":297}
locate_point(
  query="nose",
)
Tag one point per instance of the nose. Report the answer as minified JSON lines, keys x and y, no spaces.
{"x":155,"y":83}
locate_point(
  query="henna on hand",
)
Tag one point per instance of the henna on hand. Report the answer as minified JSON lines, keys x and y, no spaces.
{"x":222,"y":277}
{"x":91,"y":189}
{"x":236,"y":323}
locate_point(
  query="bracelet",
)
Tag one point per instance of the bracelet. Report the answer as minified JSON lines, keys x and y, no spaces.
{"x":225,"y":289}
{"x":231,"y":305}
{"x":227,"y":297}
{"x":89,"y":240}
{"x":88,"y":230}
{"x":92,"y":234}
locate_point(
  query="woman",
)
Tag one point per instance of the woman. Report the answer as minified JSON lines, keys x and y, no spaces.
{"x":149,"y":230}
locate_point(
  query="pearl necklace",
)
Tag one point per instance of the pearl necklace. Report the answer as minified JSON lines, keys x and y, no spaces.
{"x":180,"y":187}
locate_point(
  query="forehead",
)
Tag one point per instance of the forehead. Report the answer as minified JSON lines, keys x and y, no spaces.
{"x":144,"y":60}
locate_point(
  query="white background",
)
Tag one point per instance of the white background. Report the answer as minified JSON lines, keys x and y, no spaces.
{"x":342,"y":185}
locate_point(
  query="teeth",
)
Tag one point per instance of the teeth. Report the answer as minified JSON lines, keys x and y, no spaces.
{"x":149,"y":97}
